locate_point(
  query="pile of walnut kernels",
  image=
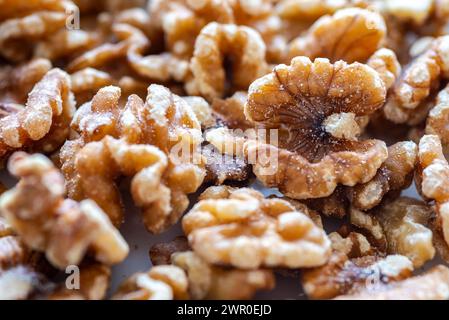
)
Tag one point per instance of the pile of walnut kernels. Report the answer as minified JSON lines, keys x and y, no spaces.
{"x":95,"y":97}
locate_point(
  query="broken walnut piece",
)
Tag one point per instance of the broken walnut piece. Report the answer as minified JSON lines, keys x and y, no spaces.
{"x":432,"y":175}
{"x":354,"y":244}
{"x":240,"y":45}
{"x":311,"y":159}
{"x":395,"y":174}
{"x":207,"y":281}
{"x":418,"y":80}
{"x":431,"y":285}
{"x":438,"y":118}
{"x":385,"y":62}
{"x":164,"y":282}
{"x":339,"y":37}
{"x":342,"y":275}
{"x":46,"y":222}
{"x":98,"y":164}
{"x":30,"y":24}
{"x":45,"y":118}
{"x":369,"y":225}
{"x":245,"y":230}
{"x":404,"y":222}
{"x":230,"y":111}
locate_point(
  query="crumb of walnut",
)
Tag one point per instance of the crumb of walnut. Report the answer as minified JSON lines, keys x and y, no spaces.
{"x":240,"y":45}
{"x":385,"y":62}
{"x":436,"y":122}
{"x":404,"y":223}
{"x":431,"y":285}
{"x":344,"y":276}
{"x":45,"y":221}
{"x":223,"y":167}
{"x":247,"y":231}
{"x":418,"y":80}
{"x":43,"y":122}
{"x":165,"y":282}
{"x":432,"y":175}
{"x":336,"y":205}
{"x":354,"y":245}
{"x":315,"y":104}
{"x":230,"y":111}
{"x":395,"y":174}
{"x":203,"y":111}
{"x":207,"y":281}
{"x":369,"y":225}
{"x":338,"y":37}
{"x":161,"y":253}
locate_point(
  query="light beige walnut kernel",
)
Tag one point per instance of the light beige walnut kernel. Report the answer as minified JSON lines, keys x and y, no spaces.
{"x":311,"y":159}
{"x":46,"y":222}
{"x":245,"y":230}
{"x":438,"y":118}
{"x":160,"y":283}
{"x":395,"y":174}
{"x":43,"y":122}
{"x":207,"y":281}
{"x":432,"y":176}
{"x":339,"y":37}
{"x":217,"y":42}
{"x":404,"y":222}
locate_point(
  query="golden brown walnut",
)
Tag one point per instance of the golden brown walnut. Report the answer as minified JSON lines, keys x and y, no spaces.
{"x":340,"y":37}
{"x":43,"y":122}
{"x":65,"y":43}
{"x":245,"y":230}
{"x":385,"y":62}
{"x":12,"y":251}
{"x":86,"y":82}
{"x":438,"y":119}
{"x":160,"y":283}
{"x":171,"y":167}
{"x":98,"y":165}
{"x":404,"y":223}
{"x":202,"y":110}
{"x":315,"y":104}
{"x":240,"y":46}
{"x":32,"y":23}
{"x":343,"y":276}
{"x":434,"y":171}
{"x":432,"y":285}
{"x":418,"y":80}
{"x":395,"y":174}
{"x":46,"y":222}
{"x":16,"y":82}
{"x":211,"y":282}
